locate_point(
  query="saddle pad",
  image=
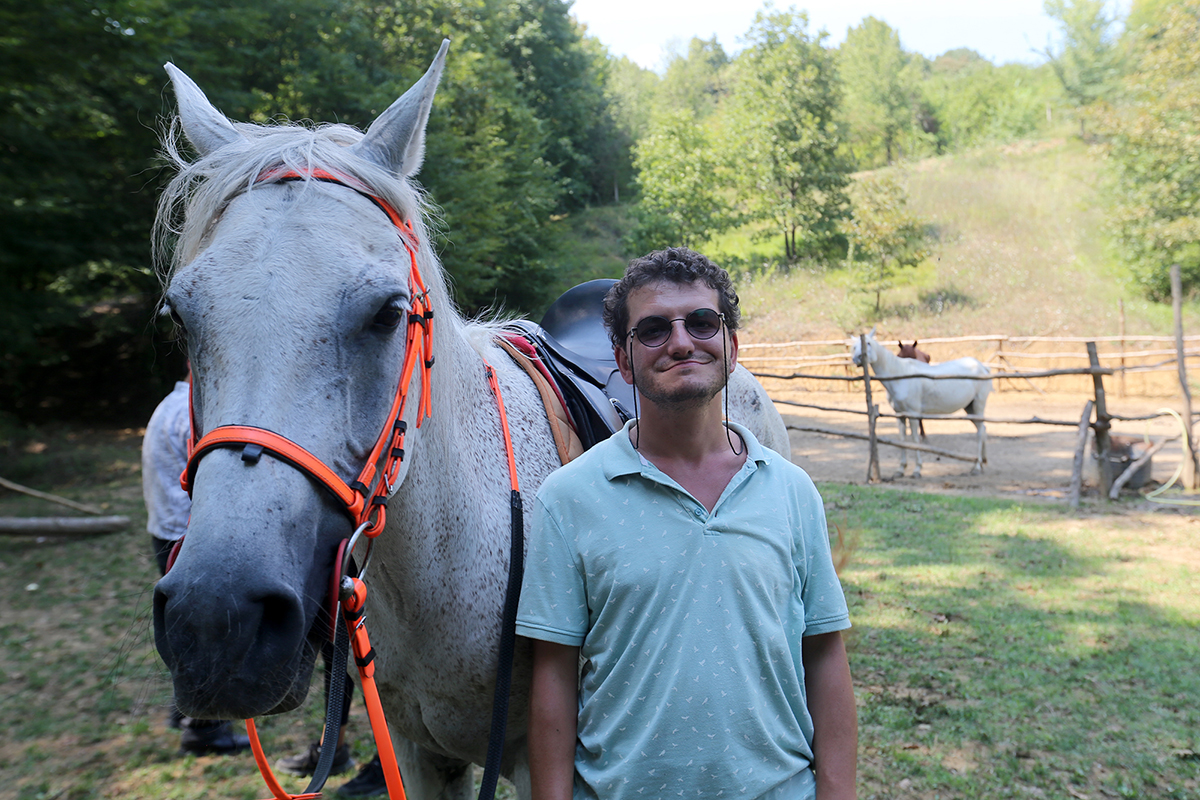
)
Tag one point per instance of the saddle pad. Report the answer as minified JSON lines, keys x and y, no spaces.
{"x":567,"y":442}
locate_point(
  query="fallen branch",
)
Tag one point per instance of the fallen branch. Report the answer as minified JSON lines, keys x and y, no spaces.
{"x":61,"y":526}
{"x":53,"y":498}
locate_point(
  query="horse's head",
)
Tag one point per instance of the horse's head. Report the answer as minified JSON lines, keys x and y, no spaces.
{"x":295,"y":296}
{"x":911,"y":351}
{"x":856,"y":349}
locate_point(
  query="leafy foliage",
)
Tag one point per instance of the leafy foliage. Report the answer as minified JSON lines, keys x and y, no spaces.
{"x":1088,"y":64}
{"x":878,"y":89}
{"x":971,"y":101}
{"x":681,"y":180}
{"x":883,"y":232}
{"x":782,"y":126}
{"x":521,"y":131}
{"x":1154,"y":153}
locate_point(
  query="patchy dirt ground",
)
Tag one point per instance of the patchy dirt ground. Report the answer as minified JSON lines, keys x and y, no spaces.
{"x":1023,"y":460}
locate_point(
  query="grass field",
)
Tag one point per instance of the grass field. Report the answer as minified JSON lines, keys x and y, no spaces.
{"x":1000,"y":649}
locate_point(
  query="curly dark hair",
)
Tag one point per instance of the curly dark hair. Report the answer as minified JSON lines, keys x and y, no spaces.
{"x":676,"y":265}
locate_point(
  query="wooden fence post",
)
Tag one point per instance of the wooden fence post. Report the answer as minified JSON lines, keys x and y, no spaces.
{"x":1102,"y":424}
{"x":1080,"y":449}
{"x":1189,"y":460}
{"x":872,"y":415}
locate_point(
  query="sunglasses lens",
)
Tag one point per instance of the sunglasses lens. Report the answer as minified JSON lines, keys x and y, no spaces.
{"x":703,"y":323}
{"x":653,"y":331}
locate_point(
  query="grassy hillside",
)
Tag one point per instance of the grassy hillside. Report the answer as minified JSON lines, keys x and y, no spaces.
{"x":1020,"y":249}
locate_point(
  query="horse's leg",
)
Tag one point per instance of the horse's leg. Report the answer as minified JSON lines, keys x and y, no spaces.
{"x":981,"y":451}
{"x":519,"y":773}
{"x":430,"y":776}
{"x":976,"y":408}
{"x":903,"y":450}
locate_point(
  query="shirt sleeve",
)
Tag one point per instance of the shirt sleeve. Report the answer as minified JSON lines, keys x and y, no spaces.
{"x":553,"y":606}
{"x":821,"y":592}
{"x":164,"y":455}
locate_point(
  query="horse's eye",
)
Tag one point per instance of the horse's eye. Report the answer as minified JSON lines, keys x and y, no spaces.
{"x":390,"y":317}
{"x":169,"y":310}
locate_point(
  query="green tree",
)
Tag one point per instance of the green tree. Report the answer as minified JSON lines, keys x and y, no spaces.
{"x":695,"y":80}
{"x":885,"y":236}
{"x":780,"y":125}
{"x":974,"y":101}
{"x":1088,"y":64}
{"x":1154,"y":153}
{"x":521,"y":130}
{"x":681,"y":179}
{"x":878,"y":97}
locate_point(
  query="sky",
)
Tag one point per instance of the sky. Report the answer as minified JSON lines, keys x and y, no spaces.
{"x":999,"y":30}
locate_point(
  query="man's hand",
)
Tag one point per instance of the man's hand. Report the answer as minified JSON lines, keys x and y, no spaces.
{"x":835,"y":719}
{"x":553,"y":717}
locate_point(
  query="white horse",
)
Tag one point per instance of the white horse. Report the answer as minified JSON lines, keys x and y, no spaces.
{"x":290,"y":293}
{"x":918,"y":396}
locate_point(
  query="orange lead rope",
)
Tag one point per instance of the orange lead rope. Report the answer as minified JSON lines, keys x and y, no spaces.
{"x":508,"y":622}
{"x":353,"y":597}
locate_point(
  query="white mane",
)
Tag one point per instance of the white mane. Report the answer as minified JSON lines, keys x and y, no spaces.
{"x":197,"y":195}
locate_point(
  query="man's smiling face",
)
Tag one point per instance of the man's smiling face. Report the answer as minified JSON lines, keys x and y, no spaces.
{"x":684,"y":371}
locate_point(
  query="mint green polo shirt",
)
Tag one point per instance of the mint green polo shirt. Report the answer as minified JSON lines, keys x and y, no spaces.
{"x":689,"y":622}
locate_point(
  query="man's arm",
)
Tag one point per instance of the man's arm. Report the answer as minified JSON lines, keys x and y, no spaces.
{"x":835,"y":719}
{"x":553,"y":717}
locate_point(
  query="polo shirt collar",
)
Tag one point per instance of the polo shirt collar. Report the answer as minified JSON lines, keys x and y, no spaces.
{"x":622,"y":459}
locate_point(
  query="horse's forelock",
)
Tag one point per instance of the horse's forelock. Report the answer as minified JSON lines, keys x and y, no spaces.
{"x":199,"y":190}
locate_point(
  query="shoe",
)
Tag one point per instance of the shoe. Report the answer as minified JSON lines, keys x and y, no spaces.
{"x":369,"y":781}
{"x":210,"y":738}
{"x":304,"y":764}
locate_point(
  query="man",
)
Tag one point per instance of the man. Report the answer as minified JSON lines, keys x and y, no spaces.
{"x":689,"y":567}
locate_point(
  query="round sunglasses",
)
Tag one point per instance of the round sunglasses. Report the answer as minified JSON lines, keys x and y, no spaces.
{"x":703,"y":323}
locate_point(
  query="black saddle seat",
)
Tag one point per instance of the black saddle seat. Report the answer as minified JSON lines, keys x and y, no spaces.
{"x":574,"y":346}
{"x":576,"y":321}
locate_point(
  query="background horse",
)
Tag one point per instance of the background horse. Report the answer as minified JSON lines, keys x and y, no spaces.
{"x":917,"y":396}
{"x":294,"y":294}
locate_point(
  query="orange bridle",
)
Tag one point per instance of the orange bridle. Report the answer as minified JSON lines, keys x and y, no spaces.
{"x":365,"y":501}
{"x":365,"y":498}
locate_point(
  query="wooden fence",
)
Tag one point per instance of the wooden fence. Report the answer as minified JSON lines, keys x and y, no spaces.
{"x":1143,"y":365}
{"x":1094,"y":373}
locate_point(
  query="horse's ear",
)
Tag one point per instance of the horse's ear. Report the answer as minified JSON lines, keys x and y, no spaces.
{"x":396,"y":140}
{"x":871,"y":332}
{"x":205,"y":127}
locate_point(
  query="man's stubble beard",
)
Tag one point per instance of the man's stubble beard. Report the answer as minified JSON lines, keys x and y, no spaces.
{"x":684,"y":398}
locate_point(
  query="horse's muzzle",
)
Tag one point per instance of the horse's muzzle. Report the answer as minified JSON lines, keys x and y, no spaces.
{"x":234,"y":653}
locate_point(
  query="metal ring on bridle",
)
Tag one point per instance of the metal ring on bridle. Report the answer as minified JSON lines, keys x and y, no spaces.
{"x":362,"y":571}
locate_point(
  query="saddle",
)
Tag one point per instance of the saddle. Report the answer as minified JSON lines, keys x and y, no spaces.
{"x":573,"y":347}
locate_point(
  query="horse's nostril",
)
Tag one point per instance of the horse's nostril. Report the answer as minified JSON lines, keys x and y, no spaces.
{"x":281,"y":617}
{"x":278,"y":623}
